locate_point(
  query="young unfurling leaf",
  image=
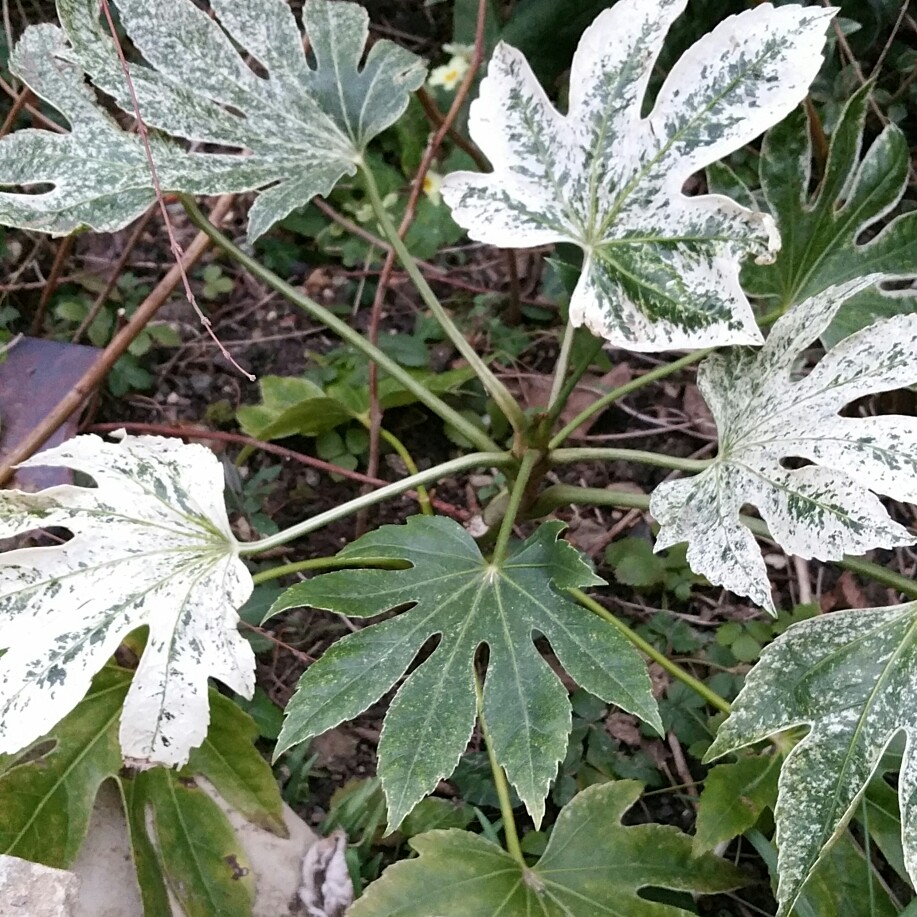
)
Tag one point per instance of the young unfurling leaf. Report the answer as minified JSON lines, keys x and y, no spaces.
{"x":828,"y":507}
{"x":151,"y":546}
{"x":303,"y":126}
{"x":661,"y":268}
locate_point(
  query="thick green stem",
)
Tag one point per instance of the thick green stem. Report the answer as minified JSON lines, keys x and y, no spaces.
{"x":675,"y":670}
{"x":559,"y":402}
{"x":529,"y":461}
{"x":324,"y":563}
{"x":566,"y":494}
{"x":902,"y":584}
{"x":423,"y":498}
{"x":560,"y":368}
{"x":616,"y":393}
{"x":439,"y":407}
{"x":599,"y":454}
{"x":495,"y":388}
{"x":465,"y":462}
{"x":652,"y":376}
{"x":500,"y":783}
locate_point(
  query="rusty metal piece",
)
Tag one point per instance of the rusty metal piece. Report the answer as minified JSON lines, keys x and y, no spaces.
{"x":34,"y":377}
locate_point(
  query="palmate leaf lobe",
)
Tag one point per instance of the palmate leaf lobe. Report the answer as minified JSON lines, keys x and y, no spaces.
{"x":455,"y":594}
{"x":765,"y":416}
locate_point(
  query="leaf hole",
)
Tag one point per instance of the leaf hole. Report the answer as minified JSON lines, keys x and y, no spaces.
{"x":794,"y":462}
{"x":35,"y":753}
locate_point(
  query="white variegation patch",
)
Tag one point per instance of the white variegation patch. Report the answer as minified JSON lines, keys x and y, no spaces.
{"x":851,"y":677}
{"x":151,"y":546}
{"x":300,"y":127}
{"x":661,"y":269}
{"x":824,"y":509}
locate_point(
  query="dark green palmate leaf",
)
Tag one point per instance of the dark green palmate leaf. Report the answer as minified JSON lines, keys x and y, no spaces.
{"x":467,"y":601}
{"x":303,"y":127}
{"x":835,"y":235}
{"x":851,"y":677}
{"x":48,"y":793}
{"x":592,"y":866}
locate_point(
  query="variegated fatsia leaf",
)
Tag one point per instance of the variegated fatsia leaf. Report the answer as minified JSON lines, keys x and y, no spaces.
{"x":852,"y":678}
{"x":151,"y":546}
{"x":661,"y":268}
{"x":297,"y":129}
{"x":828,"y":507}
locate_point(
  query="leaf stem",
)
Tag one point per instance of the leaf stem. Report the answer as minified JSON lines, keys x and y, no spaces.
{"x":495,"y":388}
{"x":423,"y":498}
{"x":439,"y":407}
{"x":565,"y":494}
{"x":558,"y":403}
{"x":601,"y":454}
{"x":652,"y":376}
{"x":617,"y":393}
{"x":560,"y":368}
{"x":444,"y":470}
{"x":529,"y":460}
{"x":500,"y":782}
{"x":323,"y":563}
{"x":675,"y":670}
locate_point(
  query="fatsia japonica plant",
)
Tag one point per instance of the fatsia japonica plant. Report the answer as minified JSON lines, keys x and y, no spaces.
{"x":662,"y":269}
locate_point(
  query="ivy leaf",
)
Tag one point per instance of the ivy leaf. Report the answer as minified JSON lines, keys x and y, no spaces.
{"x":592,"y":865}
{"x":734,"y":797}
{"x":821,"y":232}
{"x":302,"y":127}
{"x":822,"y":510}
{"x":661,"y":269}
{"x":467,"y":601}
{"x":151,"y":546}
{"x":850,"y":676}
{"x":297,"y":406}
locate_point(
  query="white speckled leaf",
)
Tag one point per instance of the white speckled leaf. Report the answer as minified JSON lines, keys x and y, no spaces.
{"x":851,"y":677}
{"x":828,"y":507}
{"x":454,"y":592}
{"x":151,"y":546}
{"x":300,"y":127}
{"x":661,"y":269}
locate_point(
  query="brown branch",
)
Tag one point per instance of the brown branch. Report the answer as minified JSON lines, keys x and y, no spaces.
{"x":156,"y":429}
{"x":144,"y":133}
{"x":20,"y":102}
{"x":114,"y":275}
{"x":375,"y":412}
{"x":57,"y":268}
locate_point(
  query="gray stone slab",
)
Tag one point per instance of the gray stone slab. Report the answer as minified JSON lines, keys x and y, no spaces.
{"x":32,"y":890}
